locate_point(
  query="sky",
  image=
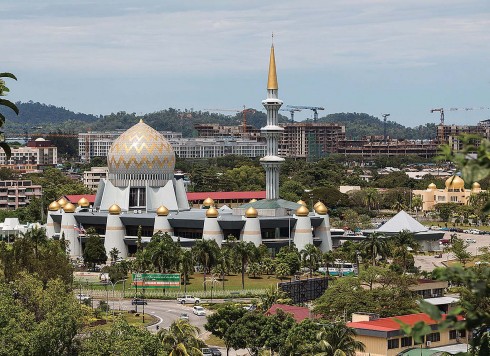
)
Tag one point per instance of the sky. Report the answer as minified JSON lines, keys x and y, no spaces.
{"x":374,"y":56}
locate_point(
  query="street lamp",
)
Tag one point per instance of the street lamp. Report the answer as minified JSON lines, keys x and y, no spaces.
{"x":143,"y":300}
{"x":113,"y":286}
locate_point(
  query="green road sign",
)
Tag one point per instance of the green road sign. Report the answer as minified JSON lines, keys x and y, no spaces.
{"x":156,"y":280}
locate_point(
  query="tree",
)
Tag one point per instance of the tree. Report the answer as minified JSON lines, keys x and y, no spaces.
{"x":246,"y":333}
{"x":311,"y":257}
{"x":337,"y":338}
{"x":114,"y":254}
{"x":6,"y":103}
{"x":181,"y":339}
{"x":206,"y":253}
{"x":290,"y":256}
{"x":276,"y":330}
{"x":282,"y":270}
{"x":94,"y":251}
{"x":219,"y":322}
{"x":400,"y":244}
{"x":254,"y":269}
{"x":120,"y":339}
{"x":375,"y":244}
{"x":301,"y":338}
{"x":186,"y":266}
{"x":460,"y":249}
{"x":245,"y":252}
{"x":139,"y":234}
{"x":37,"y":236}
{"x":165,"y":253}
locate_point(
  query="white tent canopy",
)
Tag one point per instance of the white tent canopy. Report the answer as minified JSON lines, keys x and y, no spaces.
{"x":402,"y":221}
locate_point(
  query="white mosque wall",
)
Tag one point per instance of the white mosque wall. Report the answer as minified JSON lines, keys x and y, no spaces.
{"x":251,"y":231}
{"x":181,"y":195}
{"x":162,"y":224}
{"x":114,"y":195}
{"x":114,"y":236}
{"x":156,"y":197}
{"x":323,"y":233}
{"x":302,"y":234}
{"x":212,"y":230}
{"x":68,"y":223}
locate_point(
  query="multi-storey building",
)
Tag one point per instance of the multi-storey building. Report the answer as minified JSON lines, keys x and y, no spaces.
{"x":371,"y":147}
{"x":36,"y":155}
{"x":17,"y":193}
{"x":216,"y":130}
{"x":210,"y":148}
{"x":92,"y":178}
{"x":96,"y":143}
{"x":451,"y":134}
{"x":310,"y":140}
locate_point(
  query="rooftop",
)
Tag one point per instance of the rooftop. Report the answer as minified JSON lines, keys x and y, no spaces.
{"x":392,"y":323}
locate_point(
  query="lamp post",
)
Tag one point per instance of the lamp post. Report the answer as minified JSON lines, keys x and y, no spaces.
{"x":143,"y":300}
{"x":113,"y":287}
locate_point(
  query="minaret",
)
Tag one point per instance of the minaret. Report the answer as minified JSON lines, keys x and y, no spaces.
{"x":272,"y":132}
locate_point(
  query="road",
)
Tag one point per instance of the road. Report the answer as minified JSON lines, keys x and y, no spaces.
{"x":428,"y":263}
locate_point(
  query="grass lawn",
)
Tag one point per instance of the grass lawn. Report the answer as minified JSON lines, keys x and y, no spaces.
{"x":131,"y":318}
{"x":459,"y":226}
{"x":214,"y":341}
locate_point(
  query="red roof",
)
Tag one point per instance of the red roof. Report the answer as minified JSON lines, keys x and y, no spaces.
{"x":74,"y":198}
{"x":299,"y":313}
{"x":391,"y":324}
{"x":226,"y":195}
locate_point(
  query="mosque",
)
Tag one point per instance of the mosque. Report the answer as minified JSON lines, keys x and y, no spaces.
{"x":142,"y":190}
{"x":454,"y":192}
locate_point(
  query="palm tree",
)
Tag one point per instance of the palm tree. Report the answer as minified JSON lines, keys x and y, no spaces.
{"x":206,"y":253}
{"x":328,"y":258}
{"x":337,"y":339}
{"x":113,"y":254}
{"x":245,"y":252}
{"x":7,"y":103}
{"x":312,"y":255}
{"x":37,"y":237}
{"x":186,"y":265}
{"x":401,"y":242}
{"x":375,"y":244}
{"x":181,"y":339}
{"x":371,"y":197}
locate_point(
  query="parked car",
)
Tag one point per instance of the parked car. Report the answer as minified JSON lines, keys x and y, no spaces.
{"x":471,"y":241}
{"x":434,"y":227}
{"x":215,"y":351}
{"x":83,"y":297}
{"x":184,"y":316}
{"x":206,"y":351}
{"x":475,"y":232}
{"x":249,"y":307}
{"x":188,"y":299}
{"x":138,"y":301}
{"x":198,"y":310}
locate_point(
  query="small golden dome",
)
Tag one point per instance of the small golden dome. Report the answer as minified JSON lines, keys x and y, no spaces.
{"x":318,"y":203}
{"x":208,"y":202}
{"x":251,"y":212}
{"x":475,"y":185}
{"x":321,"y":209}
{"x":301,"y":202}
{"x":84,"y":203}
{"x":454,"y":182}
{"x":212,"y":212}
{"x":431,"y":186}
{"x":253,"y":200}
{"x":302,"y":211}
{"x":69,"y":208}
{"x":62,"y":202}
{"x":114,"y":209}
{"x":54,"y":206}
{"x":162,"y":211}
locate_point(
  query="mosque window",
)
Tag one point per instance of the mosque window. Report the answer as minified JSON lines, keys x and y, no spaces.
{"x":137,"y":197}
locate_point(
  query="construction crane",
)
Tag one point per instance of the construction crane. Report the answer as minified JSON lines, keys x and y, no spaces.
{"x":384,"y":125}
{"x":441,"y":110}
{"x":313,"y":108}
{"x":244,"y":112}
{"x":291,"y":111}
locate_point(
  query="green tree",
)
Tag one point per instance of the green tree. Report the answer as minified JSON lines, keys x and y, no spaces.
{"x":311,"y":257}
{"x":400,"y":245}
{"x":120,"y":339}
{"x":219,"y":322}
{"x":276,"y":330}
{"x":246,"y":333}
{"x":114,"y":254}
{"x":290,"y":256}
{"x":206,"y":253}
{"x":301,"y":339}
{"x":254,"y":269}
{"x":165,"y":253}
{"x":8,"y":104}
{"x":186,"y":266}
{"x":94,"y":251}
{"x":37,"y":236}
{"x":181,"y":339}
{"x":338,"y":339}
{"x":375,"y":244}
{"x":245,"y":253}
{"x":460,"y":250}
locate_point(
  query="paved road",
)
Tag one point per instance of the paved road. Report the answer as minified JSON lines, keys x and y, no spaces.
{"x":428,"y":263}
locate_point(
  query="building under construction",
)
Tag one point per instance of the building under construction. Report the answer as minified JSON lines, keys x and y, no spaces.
{"x":220,"y":131}
{"x":371,"y":146}
{"x":451,"y":134}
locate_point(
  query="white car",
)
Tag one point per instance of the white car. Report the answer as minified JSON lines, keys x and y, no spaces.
{"x":188,"y":299}
{"x":83,"y":297}
{"x":199,"y":311}
{"x":471,"y":241}
{"x":475,"y":232}
{"x":435,"y":227}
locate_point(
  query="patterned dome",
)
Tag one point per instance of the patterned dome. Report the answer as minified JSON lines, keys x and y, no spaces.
{"x":141,"y":155}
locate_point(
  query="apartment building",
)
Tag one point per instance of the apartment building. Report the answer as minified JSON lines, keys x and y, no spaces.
{"x":375,"y":146}
{"x":216,"y":130}
{"x":35,"y":155}
{"x":310,"y":139}
{"x":451,"y":134}
{"x":92,"y":178}
{"x":17,"y":193}
{"x":210,"y":148}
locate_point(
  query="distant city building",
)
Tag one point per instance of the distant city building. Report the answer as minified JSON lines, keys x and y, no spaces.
{"x":454,"y":192}
{"x":92,"y":178}
{"x":36,"y":155}
{"x":15,"y":194}
{"x":217,"y":131}
{"x":451,"y":134}
{"x":372,"y":146}
{"x":97,"y":143}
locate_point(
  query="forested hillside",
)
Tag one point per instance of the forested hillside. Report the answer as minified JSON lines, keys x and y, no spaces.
{"x":42,"y":118}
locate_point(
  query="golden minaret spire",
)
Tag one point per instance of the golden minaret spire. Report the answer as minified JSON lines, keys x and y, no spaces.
{"x":272,"y":82}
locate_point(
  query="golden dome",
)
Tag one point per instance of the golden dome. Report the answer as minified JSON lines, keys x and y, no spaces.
{"x":69,"y":208}
{"x":141,"y":153}
{"x":321,"y":209}
{"x":431,"y":186}
{"x":162,"y":211}
{"x":212,"y":213}
{"x":454,"y":182}
{"x":62,"y":202}
{"x":54,"y":206}
{"x":318,"y":203}
{"x":302,"y":211}
{"x":253,"y":200}
{"x":208,"y":202}
{"x":84,"y":203}
{"x":251,"y":212}
{"x":301,"y":202}
{"x":475,"y":185}
{"x":114,"y":209}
